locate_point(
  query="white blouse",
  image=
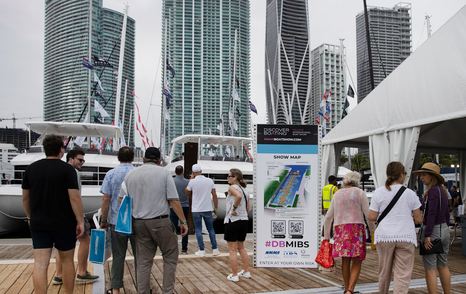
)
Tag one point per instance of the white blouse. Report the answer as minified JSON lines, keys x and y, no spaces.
{"x":398,"y":224}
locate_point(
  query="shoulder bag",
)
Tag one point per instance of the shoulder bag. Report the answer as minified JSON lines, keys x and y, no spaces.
{"x":390,"y":205}
{"x":437,"y":247}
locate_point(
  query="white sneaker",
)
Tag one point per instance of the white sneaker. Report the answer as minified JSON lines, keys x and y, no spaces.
{"x":200,"y":253}
{"x":244,"y":274}
{"x":215,"y":252}
{"x":232,"y":278}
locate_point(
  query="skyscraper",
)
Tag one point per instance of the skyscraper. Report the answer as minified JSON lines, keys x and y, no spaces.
{"x":66,"y":80}
{"x":199,"y":45}
{"x":328,"y":75}
{"x":390,"y":37}
{"x":287,"y":62}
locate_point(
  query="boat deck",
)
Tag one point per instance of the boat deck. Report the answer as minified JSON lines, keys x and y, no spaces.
{"x":208,"y":274}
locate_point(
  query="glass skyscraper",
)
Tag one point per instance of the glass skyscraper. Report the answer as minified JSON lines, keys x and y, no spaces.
{"x":287,"y":62}
{"x":390,"y":32}
{"x":198,"y":42}
{"x":66,"y":43}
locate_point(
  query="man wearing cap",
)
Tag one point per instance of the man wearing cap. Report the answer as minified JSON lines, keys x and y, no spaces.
{"x":153,"y":192}
{"x":200,"y":190}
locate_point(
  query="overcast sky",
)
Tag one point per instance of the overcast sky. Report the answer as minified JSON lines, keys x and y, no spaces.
{"x":22,"y":48}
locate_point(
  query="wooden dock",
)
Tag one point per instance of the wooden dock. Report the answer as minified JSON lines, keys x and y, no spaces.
{"x":208,"y":274}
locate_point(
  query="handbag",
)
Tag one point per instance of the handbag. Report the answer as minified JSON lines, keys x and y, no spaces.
{"x":99,"y":246}
{"x":437,"y":247}
{"x":124,"y":216}
{"x":324,"y":256}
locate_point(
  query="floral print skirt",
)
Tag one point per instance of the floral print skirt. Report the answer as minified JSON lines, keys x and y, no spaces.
{"x":349,"y":241}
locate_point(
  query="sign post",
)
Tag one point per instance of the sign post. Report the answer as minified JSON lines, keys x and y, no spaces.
{"x":287,"y":195}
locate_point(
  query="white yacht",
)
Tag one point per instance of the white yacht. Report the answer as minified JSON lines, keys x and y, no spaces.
{"x":98,"y":162}
{"x":216,"y":155}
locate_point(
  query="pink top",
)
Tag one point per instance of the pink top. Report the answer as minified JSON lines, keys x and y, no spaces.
{"x":347,"y":207}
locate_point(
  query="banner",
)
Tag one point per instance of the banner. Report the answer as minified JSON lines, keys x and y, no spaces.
{"x":287,"y":195}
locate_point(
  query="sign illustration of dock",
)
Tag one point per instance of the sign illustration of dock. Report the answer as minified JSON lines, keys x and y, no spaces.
{"x":287,"y":189}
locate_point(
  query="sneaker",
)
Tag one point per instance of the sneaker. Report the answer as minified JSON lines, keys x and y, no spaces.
{"x":232,"y":278}
{"x":57,"y":280}
{"x":200,"y":253}
{"x":215,"y":252}
{"x":184,"y":252}
{"x":87,"y":278}
{"x":244,"y":274}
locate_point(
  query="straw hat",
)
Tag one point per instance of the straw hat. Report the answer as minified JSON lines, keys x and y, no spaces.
{"x":431,"y":168}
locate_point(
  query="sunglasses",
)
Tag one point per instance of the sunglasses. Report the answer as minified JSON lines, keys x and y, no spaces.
{"x":230,"y":176}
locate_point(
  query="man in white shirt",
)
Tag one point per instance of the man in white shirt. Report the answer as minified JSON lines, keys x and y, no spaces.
{"x":200,"y":190}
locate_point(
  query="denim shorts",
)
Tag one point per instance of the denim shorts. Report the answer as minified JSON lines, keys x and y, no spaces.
{"x":438,"y":260}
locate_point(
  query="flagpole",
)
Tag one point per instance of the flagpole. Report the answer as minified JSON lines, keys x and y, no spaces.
{"x":163,"y":109}
{"x":90,"y":70}
{"x":124,"y":107}
{"x":120,"y":72}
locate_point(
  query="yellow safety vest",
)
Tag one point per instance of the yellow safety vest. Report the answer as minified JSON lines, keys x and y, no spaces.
{"x":327,"y":194}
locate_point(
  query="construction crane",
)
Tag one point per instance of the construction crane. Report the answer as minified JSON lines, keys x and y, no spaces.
{"x":14,"y":119}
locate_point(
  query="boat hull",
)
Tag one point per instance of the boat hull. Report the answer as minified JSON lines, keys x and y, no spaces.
{"x":12,"y":217}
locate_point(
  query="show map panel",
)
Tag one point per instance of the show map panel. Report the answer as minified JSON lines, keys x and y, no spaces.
{"x":287,"y":195}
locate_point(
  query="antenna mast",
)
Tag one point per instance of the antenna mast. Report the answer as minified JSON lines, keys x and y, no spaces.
{"x":429,"y":26}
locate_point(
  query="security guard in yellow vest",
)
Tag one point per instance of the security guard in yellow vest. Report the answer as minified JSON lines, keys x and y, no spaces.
{"x":327,"y":193}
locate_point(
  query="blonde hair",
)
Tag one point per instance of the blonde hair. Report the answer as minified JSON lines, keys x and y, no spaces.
{"x":239,"y":176}
{"x":352,"y":179}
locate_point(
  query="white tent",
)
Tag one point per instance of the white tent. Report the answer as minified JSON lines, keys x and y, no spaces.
{"x":420,"y":106}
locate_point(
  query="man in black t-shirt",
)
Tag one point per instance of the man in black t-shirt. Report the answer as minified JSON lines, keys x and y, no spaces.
{"x":52,"y":203}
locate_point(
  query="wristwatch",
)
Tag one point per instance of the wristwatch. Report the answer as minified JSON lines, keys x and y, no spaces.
{"x":183,"y":222}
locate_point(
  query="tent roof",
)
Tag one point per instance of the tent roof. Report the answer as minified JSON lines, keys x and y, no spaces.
{"x":428,"y":89}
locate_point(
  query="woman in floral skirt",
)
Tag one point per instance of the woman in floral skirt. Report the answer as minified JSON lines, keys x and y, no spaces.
{"x":348,"y":211}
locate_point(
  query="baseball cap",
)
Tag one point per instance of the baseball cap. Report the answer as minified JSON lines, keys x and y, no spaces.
{"x":152,"y":153}
{"x":196,"y":168}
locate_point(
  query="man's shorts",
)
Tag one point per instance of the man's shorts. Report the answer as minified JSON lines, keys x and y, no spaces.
{"x":63,"y":240}
{"x":236,"y":231}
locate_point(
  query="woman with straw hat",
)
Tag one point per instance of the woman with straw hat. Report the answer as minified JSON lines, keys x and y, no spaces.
{"x":436,"y":220}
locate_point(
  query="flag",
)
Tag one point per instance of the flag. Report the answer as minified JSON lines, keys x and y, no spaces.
{"x":87,"y":64}
{"x":252,"y":107}
{"x":317,"y":120}
{"x":79,"y":141}
{"x":100,"y":61}
{"x":235,"y":95}
{"x":168,"y":95}
{"x":350,"y":91}
{"x":345,"y":107}
{"x":98,"y":108}
{"x":170,"y":69}
{"x":96,"y":79}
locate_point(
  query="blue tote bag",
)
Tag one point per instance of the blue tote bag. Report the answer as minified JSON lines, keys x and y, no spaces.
{"x":99,"y":247}
{"x":124,"y":217}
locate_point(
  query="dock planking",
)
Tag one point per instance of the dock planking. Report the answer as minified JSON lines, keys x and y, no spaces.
{"x":208,"y":274}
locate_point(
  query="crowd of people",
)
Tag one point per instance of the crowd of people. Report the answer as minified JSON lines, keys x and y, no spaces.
{"x":160,"y":207}
{"x":394,"y":210}
{"x":161,"y":204}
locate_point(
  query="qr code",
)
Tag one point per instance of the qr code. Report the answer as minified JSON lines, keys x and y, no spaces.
{"x":278,"y":227}
{"x":296,"y":227}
